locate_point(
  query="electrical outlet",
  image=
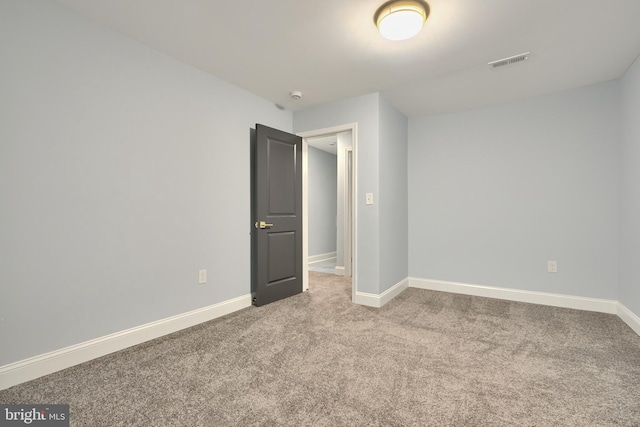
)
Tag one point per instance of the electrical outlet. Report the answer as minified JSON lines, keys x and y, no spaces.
{"x":202,"y":277}
{"x":368,"y":198}
{"x":552,"y":266}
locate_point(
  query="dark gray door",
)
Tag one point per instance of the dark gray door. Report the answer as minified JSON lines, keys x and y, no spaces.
{"x":277,"y":215}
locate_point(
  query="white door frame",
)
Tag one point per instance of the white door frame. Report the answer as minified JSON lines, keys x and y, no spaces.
{"x":348,"y":211}
{"x":353,"y":127}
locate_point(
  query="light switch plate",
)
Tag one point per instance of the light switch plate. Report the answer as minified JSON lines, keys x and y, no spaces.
{"x":369,"y":198}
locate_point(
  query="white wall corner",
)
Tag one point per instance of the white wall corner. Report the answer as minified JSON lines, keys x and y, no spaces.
{"x":48,"y":363}
{"x":533,"y":297}
{"x":378,"y":300}
{"x":629,"y":317}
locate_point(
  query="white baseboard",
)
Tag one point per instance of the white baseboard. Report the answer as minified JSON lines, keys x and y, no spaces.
{"x":393,"y":291}
{"x":321,"y":257}
{"x":370,"y":300}
{"x":555,"y":300}
{"x":339,"y":270}
{"x":378,"y":300}
{"x":629,"y":317}
{"x":48,"y":363}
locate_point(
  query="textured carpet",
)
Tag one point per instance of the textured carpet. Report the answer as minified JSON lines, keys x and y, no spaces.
{"x":316,"y":359}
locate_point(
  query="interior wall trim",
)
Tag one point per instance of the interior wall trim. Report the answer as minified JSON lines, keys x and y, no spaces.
{"x":48,"y":363}
{"x":534,"y":297}
{"x":378,"y":300}
{"x":555,"y":300}
{"x":321,"y":257}
{"x":629,"y":317}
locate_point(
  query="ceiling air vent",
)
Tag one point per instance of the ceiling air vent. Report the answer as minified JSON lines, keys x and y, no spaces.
{"x":510,"y":60}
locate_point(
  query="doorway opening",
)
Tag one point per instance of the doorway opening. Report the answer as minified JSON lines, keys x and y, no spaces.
{"x":345,"y":138}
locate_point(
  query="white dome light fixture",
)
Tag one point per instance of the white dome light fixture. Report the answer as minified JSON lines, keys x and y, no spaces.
{"x":401,"y":19}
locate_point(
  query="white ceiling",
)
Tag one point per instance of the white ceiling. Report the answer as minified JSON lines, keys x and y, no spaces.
{"x":325,"y":143}
{"x":331,"y":50}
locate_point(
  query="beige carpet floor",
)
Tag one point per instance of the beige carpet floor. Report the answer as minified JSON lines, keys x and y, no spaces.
{"x":425,"y":359}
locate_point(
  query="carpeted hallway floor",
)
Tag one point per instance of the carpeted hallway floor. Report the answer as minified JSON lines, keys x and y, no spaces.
{"x":316,"y":359}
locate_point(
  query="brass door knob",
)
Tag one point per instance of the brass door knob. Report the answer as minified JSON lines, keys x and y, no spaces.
{"x":262,"y":225}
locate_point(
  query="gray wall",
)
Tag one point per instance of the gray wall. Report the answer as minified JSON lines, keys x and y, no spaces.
{"x":364,"y":111}
{"x":322,"y":193}
{"x":496,"y":192}
{"x":122,"y":172}
{"x":630,"y":191}
{"x":393,"y":203}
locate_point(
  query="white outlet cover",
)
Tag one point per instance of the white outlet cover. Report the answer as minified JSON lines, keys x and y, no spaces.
{"x":202,"y":277}
{"x":552,"y":266}
{"x":369,"y":198}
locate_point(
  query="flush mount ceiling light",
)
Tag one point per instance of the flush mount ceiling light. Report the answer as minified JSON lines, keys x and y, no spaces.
{"x":401,"y":19}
